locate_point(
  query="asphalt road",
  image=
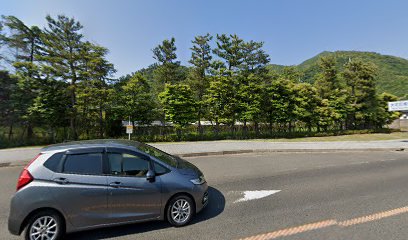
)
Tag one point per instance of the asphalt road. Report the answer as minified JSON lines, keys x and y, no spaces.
{"x":355,"y":195}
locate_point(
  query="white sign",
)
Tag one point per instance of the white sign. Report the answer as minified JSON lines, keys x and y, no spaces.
{"x":129,"y":129}
{"x":398,"y":106}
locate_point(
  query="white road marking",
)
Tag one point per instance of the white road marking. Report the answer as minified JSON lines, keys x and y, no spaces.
{"x":253,"y":195}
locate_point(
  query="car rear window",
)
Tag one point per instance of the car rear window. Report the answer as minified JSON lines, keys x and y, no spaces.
{"x":53,"y":162}
{"x":87,"y":163}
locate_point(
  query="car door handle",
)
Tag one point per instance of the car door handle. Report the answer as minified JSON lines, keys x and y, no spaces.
{"x":61,"y":180}
{"x":115,"y":184}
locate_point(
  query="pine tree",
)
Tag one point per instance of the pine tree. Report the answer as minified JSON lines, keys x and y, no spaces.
{"x":198,"y":80}
{"x":254,"y":58}
{"x":360,"y":78}
{"x":327,"y":81}
{"x":168,"y":70}
{"x":62,"y":54}
{"x":230,"y":49}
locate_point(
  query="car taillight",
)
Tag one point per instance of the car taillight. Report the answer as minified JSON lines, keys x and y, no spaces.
{"x":24,"y":179}
{"x":25,"y":176}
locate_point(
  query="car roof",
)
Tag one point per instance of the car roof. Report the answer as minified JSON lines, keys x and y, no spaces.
{"x":127,"y":144}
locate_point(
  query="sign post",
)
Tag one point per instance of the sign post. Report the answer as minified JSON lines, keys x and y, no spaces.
{"x":129,"y":128}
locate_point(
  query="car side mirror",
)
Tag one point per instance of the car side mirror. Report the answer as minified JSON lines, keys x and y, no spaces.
{"x":150,"y":176}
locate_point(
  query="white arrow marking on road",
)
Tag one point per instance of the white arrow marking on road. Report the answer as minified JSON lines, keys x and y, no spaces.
{"x":252,"y":195}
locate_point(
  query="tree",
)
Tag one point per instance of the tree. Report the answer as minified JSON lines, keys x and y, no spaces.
{"x":335,"y":101}
{"x":254,"y":58}
{"x":2,"y":41}
{"x":292,"y":74}
{"x":327,"y":82}
{"x":49,"y":105}
{"x":383,"y":116}
{"x":8,"y":101}
{"x":25,"y":42}
{"x":230,"y":49}
{"x":136,"y":100}
{"x":24,"y":39}
{"x":360,"y":79}
{"x":168,"y":70}
{"x":306,"y":104}
{"x":251,"y":77}
{"x":179,"y":105}
{"x":250,"y":99}
{"x":198,"y":79}
{"x":278,"y":103}
{"x":62,"y":54}
{"x":220,"y":99}
{"x":94,"y":95}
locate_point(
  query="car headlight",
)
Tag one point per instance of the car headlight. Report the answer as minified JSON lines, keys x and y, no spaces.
{"x":198,"y":181}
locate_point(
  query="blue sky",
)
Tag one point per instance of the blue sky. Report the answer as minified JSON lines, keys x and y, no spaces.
{"x":293,"y":30}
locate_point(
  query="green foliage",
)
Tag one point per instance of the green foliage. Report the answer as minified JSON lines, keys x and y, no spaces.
{"x":24,"y":40}
{"x":360,"y":80}
{"x":198,"y":80}
{"x":250,"y":98}
{"x":8,"y":101}
{"x":136,"y":101}
{"x":254,"y":58}
{"x":221,"y":99}
{"x":168,"y":70}
{"x":230,"y":49}
{"x":327,"y":81}
{"x":179,"y":105}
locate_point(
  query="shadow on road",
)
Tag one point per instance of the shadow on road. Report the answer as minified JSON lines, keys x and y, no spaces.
{"x":215,"y":207}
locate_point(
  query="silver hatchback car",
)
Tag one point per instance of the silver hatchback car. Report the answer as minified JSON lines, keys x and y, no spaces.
{"x":90,"y":184}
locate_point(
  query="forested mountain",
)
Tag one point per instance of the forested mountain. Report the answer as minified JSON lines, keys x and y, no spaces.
{"x":392,"y":71}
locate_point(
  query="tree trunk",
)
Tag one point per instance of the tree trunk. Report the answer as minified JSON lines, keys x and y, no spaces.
{"x":100,"y":122}
{"x":200,"y":128}
{"x":178,"y":132}
{"x":10,"y":134}
{"x":73,"y":114}
{"x":217,"y":128}
{"x":30,"y":132}
{"x":257,"y":128}
{"x":245,"y":129}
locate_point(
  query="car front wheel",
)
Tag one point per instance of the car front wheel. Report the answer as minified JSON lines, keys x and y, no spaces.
{"x":180,"y":210}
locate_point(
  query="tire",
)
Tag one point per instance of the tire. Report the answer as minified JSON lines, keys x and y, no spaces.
{"x":180,"y":210}
{"x":54,"y":232}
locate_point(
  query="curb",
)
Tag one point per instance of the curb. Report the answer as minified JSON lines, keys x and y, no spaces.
{"x":200,"y":154}
{"x":231,"y":152}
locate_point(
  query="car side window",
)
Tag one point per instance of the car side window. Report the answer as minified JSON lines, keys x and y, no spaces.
{"x":124,"y":164}
{"x":86,"y":163}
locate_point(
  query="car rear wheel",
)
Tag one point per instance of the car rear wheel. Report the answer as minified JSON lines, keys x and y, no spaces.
{"x":45,"y":225}
{"x":180,"y":210}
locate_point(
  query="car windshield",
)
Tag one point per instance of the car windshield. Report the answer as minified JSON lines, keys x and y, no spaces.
{"x":162,"y":156}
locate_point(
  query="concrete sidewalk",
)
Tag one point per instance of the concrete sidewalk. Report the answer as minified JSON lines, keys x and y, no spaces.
{"x":186,"y":149}
{"x":231,"y":147}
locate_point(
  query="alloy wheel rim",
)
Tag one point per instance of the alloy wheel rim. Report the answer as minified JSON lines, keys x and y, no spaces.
{"x":44,"y":228}
{"x":180,"y":211}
